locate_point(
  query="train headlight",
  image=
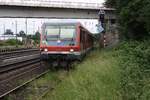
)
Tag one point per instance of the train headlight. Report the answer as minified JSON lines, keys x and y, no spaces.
{"x":71,"y":50}
{"x":45,"y":50}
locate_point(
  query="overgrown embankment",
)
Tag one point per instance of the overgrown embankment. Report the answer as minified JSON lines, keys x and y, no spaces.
{"x":96,"y":78}
{"x":121,"y":73}
{"x":135,"y":69}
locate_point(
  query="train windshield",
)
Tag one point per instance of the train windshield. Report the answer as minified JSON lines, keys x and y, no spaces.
{"x":52,"y":32}
{"x":60,"y":32}
{"x":65,"y":34}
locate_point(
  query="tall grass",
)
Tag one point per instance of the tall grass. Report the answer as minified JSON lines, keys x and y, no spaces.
{"x":122,"y":73}
{"x":96,"y":78}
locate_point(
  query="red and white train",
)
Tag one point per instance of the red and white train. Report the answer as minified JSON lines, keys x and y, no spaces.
{"x":65,"y":41}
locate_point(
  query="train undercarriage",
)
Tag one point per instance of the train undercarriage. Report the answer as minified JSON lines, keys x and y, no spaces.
{"x":58,"y":61}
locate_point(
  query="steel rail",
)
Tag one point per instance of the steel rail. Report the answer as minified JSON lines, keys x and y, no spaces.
{"x":12,"y":49}
{"x":16,"y":51}
{"x":17,"y":87}
{"x":18,"y":68}
{"x":17,"y":65}
{"x":14,"y":55}
{"x":6,"y":62}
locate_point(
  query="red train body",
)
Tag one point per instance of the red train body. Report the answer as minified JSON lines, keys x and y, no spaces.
{"x":69,"y":41}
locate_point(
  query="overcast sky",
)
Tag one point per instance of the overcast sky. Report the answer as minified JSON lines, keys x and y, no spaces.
{"x":35,"y":24}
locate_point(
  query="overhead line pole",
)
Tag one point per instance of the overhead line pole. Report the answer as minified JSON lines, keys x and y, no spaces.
{"x":16,"y":32}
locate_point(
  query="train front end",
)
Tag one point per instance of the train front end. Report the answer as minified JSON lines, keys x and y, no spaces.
{"x":60,"y":41}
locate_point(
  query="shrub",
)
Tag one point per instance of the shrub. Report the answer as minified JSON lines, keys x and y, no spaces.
{"x":135,"y":70}
{"x":10,"y":42}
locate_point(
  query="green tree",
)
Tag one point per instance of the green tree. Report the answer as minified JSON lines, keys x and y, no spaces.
{"x":22,"y":33}
{"x":133,"y":16}
{"x":35,"y":37}
{"x":8,"y":32}
{"x":111,"y":3}
{"x":37,"y":34}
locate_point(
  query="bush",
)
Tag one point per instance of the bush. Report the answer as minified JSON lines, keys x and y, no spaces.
{"x":135,"y":70}
{"x":133,"y":17}
{"x":10,"y":42}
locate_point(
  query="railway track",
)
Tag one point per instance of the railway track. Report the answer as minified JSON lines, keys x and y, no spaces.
{"x":13,"y":53}
{"x":18,"y":67}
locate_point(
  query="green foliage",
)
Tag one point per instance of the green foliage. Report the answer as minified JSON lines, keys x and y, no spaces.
{"x":2,"y":43}
{"x":111,"y":3}
{"x":8,"y":32}
{"x":96,"y":78}
{"x":135,"y":70}
{"x":35,"y":37}
{"x":134,"y":17}
{"x":10,"y":42}
{"x":22,"y":34}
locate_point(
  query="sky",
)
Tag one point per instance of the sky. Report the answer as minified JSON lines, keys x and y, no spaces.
{"x":34,"y":25}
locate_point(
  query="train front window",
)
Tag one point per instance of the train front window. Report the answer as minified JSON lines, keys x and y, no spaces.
{"x":67,"y":32}
{"x":60,"y":35}
{"x":60,"y":32}
{"x":52,"y":32}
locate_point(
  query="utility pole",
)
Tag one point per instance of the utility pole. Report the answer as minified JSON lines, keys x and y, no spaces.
{"x":33,"y":27}
{"x":16,"y":26}
{"x":26,"y":23}
{"x":16,"y":32}
{"x":4,"y":30}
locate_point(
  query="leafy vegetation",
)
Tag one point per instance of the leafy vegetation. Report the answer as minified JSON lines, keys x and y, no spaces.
{"x":96,"y":78}
{"x":22,"y":34}
{"x":8,"y":32}
{"x":135,"y":69}
{"x":122,"y":73}
{"x":26,"y":38}
{"x":119,"y":74}
{"x":134,"y":17}
{"x":35,"y":37}
{"x":10,"y":42}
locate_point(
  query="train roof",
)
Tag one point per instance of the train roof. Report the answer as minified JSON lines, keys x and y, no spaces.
{"x":61,"y":23}
{"x":66,"y":23}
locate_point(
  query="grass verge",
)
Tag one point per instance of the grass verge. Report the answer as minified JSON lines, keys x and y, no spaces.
{"x":96,"y":78}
